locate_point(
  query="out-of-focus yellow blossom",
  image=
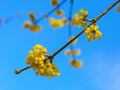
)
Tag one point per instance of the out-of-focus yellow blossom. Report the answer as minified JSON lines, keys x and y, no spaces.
{"x":92,"y":33}
{"x":76,"y":63}
{"x":77,"y":52}
{"x":68,"y":52}
{"x":64,"y":20}
{"x":79,"y":18}
{"x":32,"y":25}
{"x":74,"y":52}
{"x":59,"y":12}
{"x":38,"y":60}
{"x":27,"y":24}
{"x":118,"y":8}
{"x":35,"y":28}
{"x":73,"y":42}
{"x":56,"y":23}
{"x":32,"y":16}
{"x":54,"y":2}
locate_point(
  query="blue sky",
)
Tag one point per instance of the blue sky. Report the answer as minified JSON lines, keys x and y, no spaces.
{"x":101,"y":58}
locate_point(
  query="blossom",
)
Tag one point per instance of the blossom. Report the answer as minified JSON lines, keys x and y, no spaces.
{"x":83,"y":13}
{"x":59,"y":12}
{"x":92,"y":33}
{"x":74,"y":52}
{"x":118,"y":8}
{"x":79,"y":18}
{"x":38,"y":61}
{"x":32,"y":25}
{"x":75,"y":63}
{"x":64,"y":20}
{"x":32,"y":16}
{"x":27,"y":24}
{"x":54,"y":2}
{"x":35,"y":28}
{"x":56,"y":23}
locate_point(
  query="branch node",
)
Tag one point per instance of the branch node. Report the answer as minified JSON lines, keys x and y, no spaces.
{"x":93,"y":20}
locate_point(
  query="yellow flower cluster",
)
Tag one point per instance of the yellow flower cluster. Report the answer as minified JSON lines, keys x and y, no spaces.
{"x":79,"y":18}
{"x":54,"y":2}
{"x":57,"y":23}
{"x":74,"y":52}
{"x":76,"y":63}
{"x":92,"y":33}
{"x":38,"y":60}
{"x":31,"y":25}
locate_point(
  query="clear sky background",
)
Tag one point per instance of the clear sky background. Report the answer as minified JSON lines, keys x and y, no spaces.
{"x":101,"y":58}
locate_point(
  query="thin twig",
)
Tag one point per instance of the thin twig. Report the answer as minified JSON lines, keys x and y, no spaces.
{"x":50,"y":12}
{"x":19,"y":71}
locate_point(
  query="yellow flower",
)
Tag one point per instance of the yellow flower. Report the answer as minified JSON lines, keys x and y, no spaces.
{"x":38,"y":46}
{"x":64,"y":20}
{"x":54,"y":2}
{"x":38,"y":61}
{"x":79,"y":18}
{"x":68,"y":52}
{"x":59,"y":12}
{"x":92,"y":33}
{"x":118,"y":8}
{"x":84,"y":12}
{"x":35,"y":28}
{"x":76,"y":63}
{"x":56,"y":23}
{"x":99,"y":34}
{"x":27,"y":24}
{"x":52,"y":20}
{"x":32,"y":16}
{"x":74,"y":52}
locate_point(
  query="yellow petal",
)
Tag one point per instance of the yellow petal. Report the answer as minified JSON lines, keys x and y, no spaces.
{"x":99,"y":34}
{"x":38,"y":46}
{"x":56,"y":23}
{"x":64,"y":20}
{"x":54,"y":2}
{"x":68,"y":52}
{"x":32,"y":16}
{"x":76,"y":52}
{"x":118,"y":8}
{"x":59,"y":12}
{"x":76,"y":63}
{"x":51,"y":21}
{"x":35,"y":28}
{"x":27,"y":24}
{"x":84,"y":12}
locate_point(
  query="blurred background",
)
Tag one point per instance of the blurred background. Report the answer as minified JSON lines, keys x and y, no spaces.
{"x":101,"y":58}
